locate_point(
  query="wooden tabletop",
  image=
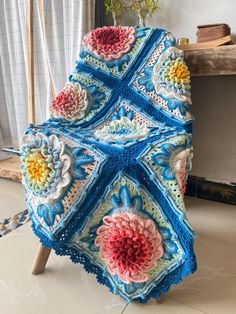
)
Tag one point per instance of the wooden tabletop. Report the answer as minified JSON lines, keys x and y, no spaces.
{"x":212,"y":61}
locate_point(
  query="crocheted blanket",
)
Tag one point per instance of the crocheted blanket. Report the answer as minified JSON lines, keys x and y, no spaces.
{"x":105,"y":175}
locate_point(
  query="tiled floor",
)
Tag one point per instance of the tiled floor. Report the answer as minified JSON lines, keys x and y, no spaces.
{"x":66,"y":288}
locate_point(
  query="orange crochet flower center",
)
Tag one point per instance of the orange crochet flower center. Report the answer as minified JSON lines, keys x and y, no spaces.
{"x":179,"y":73}
{"x":37,"y":168}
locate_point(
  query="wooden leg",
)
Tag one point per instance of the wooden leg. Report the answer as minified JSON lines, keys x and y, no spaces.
{"x":40,"y":260}
{"x":160,"y":299}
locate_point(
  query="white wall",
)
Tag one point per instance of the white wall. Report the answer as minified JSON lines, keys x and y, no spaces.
{"x":214,"y":140}
{"x":181,"y":17}
{"x":214,"y":98}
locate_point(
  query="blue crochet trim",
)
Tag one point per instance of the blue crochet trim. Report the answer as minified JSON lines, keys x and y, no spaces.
{"x":163,"y":287}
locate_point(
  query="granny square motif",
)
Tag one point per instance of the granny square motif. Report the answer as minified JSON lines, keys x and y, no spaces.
{"x":105,"y":175}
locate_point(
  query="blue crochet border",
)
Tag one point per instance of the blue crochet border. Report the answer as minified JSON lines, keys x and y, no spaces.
{"x":163,"y":287}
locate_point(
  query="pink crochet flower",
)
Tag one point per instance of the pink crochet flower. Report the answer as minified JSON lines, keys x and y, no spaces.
{"x":130,"y":245}
{"x":182,"y":179}
{"x":110,"y":42}
{"x":71,"y":103}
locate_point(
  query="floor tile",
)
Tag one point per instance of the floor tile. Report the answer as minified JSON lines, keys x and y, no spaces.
{"x":169,"y":306}
{"x":212,"y":289}
{"x":63,"y":288}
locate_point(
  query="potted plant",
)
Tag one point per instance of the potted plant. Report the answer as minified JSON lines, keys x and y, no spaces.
{"x":115,"y":7}
{"x":142,"y":8}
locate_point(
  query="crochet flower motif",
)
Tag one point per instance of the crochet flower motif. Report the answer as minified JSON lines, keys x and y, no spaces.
{"x":45,"y":167}
{"x":147,"y":79}
{"x":50,"y":212}
{"x":109,"y":43}
{"x":130,"y":245}
{"x":175,"y":162}
{"x":169,"y":246}
{"x":47,"y":171}
{"x":122,"y":112}
{"x":81,"y":159}
{"x":122,"y":128}
{"x":71,"y":103}
{"x":171,"y":77}
{"x":181,"y":165}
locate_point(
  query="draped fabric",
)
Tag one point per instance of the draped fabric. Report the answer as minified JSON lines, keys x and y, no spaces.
{"x":105,"y":176}
{"x":59,"y":26}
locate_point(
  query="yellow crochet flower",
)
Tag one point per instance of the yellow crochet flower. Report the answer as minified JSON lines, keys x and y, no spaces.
{"x":45,"y":167}
{"x":37,"y":168}
{"x":171,"y":76}
{"x":178,"y":72}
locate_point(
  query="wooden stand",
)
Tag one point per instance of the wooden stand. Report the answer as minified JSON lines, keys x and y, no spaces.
{"x":40,"y":260}
{"x":160,"y":299}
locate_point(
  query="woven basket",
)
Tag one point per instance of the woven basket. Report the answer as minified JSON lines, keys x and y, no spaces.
{"x":212,"y":32}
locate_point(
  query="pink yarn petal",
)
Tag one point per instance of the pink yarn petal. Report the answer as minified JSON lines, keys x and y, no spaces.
{"x":111,"y":42}
{"x":130,"y":245}
{"x":71,"y":103}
